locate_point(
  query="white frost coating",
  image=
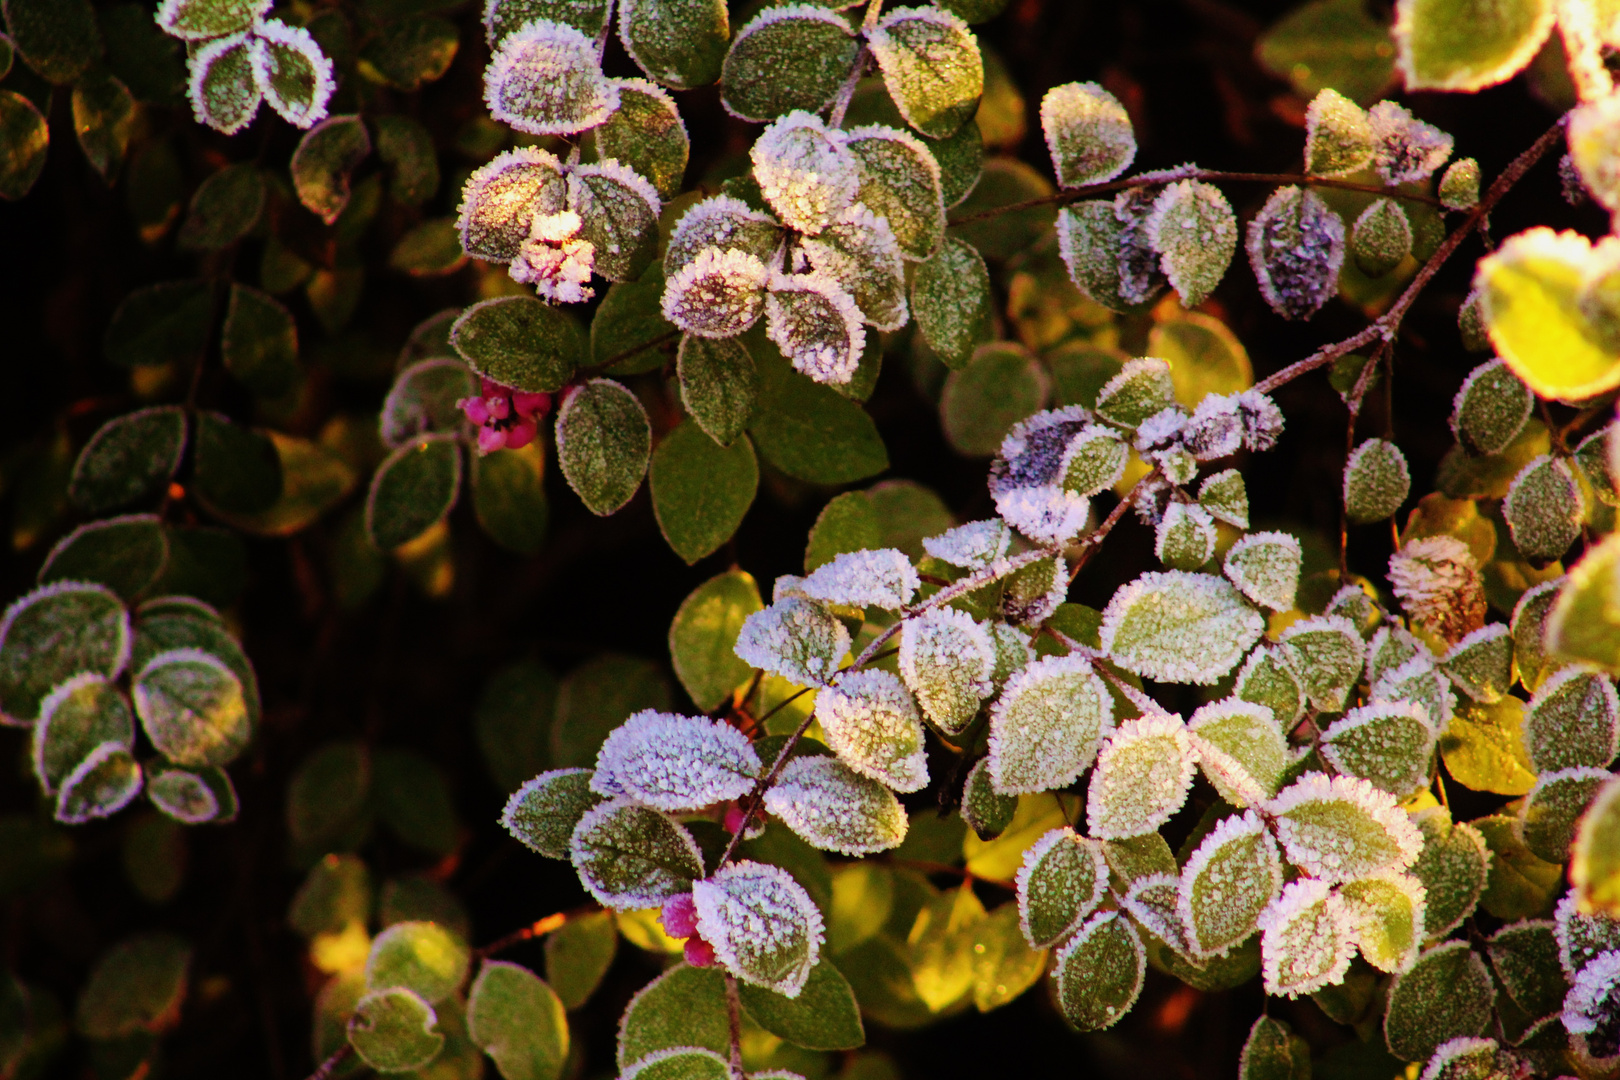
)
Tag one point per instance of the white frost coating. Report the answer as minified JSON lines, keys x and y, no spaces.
{"x":724,"y":222}
{"x":28,"y":599}
{"x":1046,"y":725}
{"x":1591,"y":998}
{"x":1162,"y":430}
{"x":626,"y":177}
{"x":816,"y":325}
{"x":1262,"y":420}
{"x":168,"y":15}
{"x":1205,"y":873}
{"x":1447,"y":1059}
{"x":1582,"y":935}
{"x":1185,"y":535}
{"x":1026,"y":478}
{"x":1151,"y":901}
{"x":1419,"y":681}
{"x":545,"y":79}
{"x":642,"y":882}
{"x":1296,"y":251}
{"x":198,"y":66}
{"x":1093,"y":460}
{"x":946,"y":658}
{"x":1035,"y":860}
{"x":1215,"y":428}
{"x":805,"y":171}
{"x":972,"y":546}
{"x":649,"y":1063}
{"x":675,"y":762}
{"x":1144,"y":772}
{"x":1088,"y":134}
{"x":764,"y":927}
{"x":300,"y":114}
{"x":70,"y":784}
{"x":1241,"y":749}
{"x":1265,"y":568}
{"x":858,"y":250}
{"x":718,"y":294}
{"x":1045,"y":513}
{"x":555,"y":259}
{"x":504,"y":194}
{"x":1388,"y":743}
{"x":1371,"y":936}
{"x":1328,"y":654}
{"x":1174,"y":626}
{"x":1193,"y":229}
{"x":834,"y":808}
{"x":1306,"y":939}
{"x":1389,"y":648}
{"x":872,"y":724}
{"x":1341,"y":828}
{"x":881,"y":578}
{"x":796,"y":639}
{"x":1405,"y":148}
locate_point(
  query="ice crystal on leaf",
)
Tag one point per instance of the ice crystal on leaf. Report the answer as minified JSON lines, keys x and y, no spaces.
{"x":901,"y":180}
{"x":1438,"y":583}
{"x":816,"y":325}
{"x":1389,"y":743}
{"x":871,"y":723}
{"x":718,"y":294}
{"x":1417,"y":680}
{"x":797,"y":639}
{"x":545,"y":79}
{"x":1389,"y":648}
{"x":972,"y":546}
{"x":630,"y":856}
{"x":1376,"y":481}
{"x":1193,"y":229}
{"x":1215,"y":429}
{"x":1296,"y":247}
{"x":555,"y":260}
{"x":1405,"y":149}
{"x":619,"y":211}
{"x":1342,"y":828}
{"x":883,"y":578}
{"x":1162,"y":431}
{"x":859,"y":251}
{"x":722,"y":222}
{"x":1328,"y":654}
{"x":544,"y":811}
{"x":1469,"y":1058}
{"x":1262,"y":420}
{"x":1490,"y":408}
{"x":1046,"y":725}
{"x":764,"y":927}
{"x":1094,"y":460}
{"x":1151,"y":901}
{"x":1088,"y":134}
{"x":946,"y":658}
{"x":1026,"y":478}
{"x":222,"y":85}
{"x":1573,"y":719}
{"x":502,"y":199}
{"x":805,"y":171}
{"x":292,"y":72}
{"x":1307,"y":938}
{"x":834,"y":808}
{"x":675,"y":762}
{"x":1240,"y":749}
{"x":1265,"y":568}
{"x":1388,"y":912}
{"x":191,"y":20}
{"x":1339,"y":139}
{"x":1481,"y":664}
{"x":1583,"y":935}
{"x":1099,"y":972}
{"x":1225,"y":496}
{"x":1268,"y":678}
{"x":1232,"y":876}
{"x":1185,"y":537}
{"x":1544,"y":509}
{"x":1175,"y":626}
{"x":1143,"y":774}
{"x":1061,"y":881}
{"x":1592,"y":1007}
{"x":1142,"y":389}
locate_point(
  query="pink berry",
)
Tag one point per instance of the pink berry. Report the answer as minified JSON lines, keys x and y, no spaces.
{"x":520,"y":434}
{"x":490,"y":439}
{"x":475,"y":409}
{"x":699,"y":953}
{"x":679,"y":916}
{"x":734,"y":819}
{"x":499,"y":407}
{"x":530,"y":404}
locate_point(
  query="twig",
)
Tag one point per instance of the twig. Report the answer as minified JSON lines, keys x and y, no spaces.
{"x":539,"y":928}
{"x":325,"y":1069}
{"x":734,"y":1025}
{"x":618,"y":357}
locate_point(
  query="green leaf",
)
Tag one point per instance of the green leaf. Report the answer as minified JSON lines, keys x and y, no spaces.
{"x":544,"y":812}
{"x":1491,"y":408}
{"x":1061,"y":881}
{"x":631,"y":856}
{"x":236,"y":470}
{"x":410,"y":52}
{"x":620,"y":209}
{"x":224,"y":208}
{"x":1467,"y":44}
{"x":849,"y":522}
{"x":1594,"y":870}
{"x":517,"y":1019}
{"x":423,"y":400}
{"x":1265,"y":568}
{"x":53,"y":633}
{"x":75,"y":718}
{"x":1150,"y":625}
{"x":595,"y":699}
{"x":1481,"y":664}
{"x":603,"y":439}
{"x":685,"y":1006}
{"x":1330,"y":43}
{"x":1193,"y":229}
{"x":1141,"y":389}
{"x":629,"y":333}
{"x":810,"y":431}
{"x":103,"y":111}
{"x":1389,"y":914}
{"x":679,"y":43}
{"x":126,"y":554}
{"x":414,"y":801}
{"x":321,"y":165}
{"x":192,"y":707}
{"x":192,"y":797}
{"x":1088,"y":134}
{"x":57,"y":38}
{"x":1483,"y":747}
{"x":901,"y":180}
{"x":431,"y":248}
{"x":1446,"y":995}
{"x":1549,"y":813}
{"x":1241,"y":749}
{"x":931,"y":65}
{"x":520,"y":342}
{"x":701,"y":491}
{"x":23,"y":141}
{"x":833,"y":808}
{"x":327,"y":794}
{"x":161,"y":324}
{"x":1525,"y":957}
{"x":106,"y":781}
{"x":578,"y":955}
{"x":683,"y":1063}
{"x":509,"y":498}
{"x":406,"y":147}
{"x":719,"y":385}
{"x":1099,"y":972}
{"x":1387,"y":743}
{"x":987,"y":811}
{"x":137,"y":985}
{"x":423,"y":957}
{"x":950,"y":297}
{"x":703,"y":631}
{"x":1452,"y":867}
{"x":194,"y":626}
{"x":1381,"y":238}
{"x":646,"y":134}
{"x":824,"y":1016}
{"x":227,"y":94}
{"x":1578,"y":626}
{"x":513,"y":723}
{"x":259,"y":345}
{"x":394,"y":1030}
{"x":1233,"y":874}
{"x":763,"y":926}
{"x":1519,"y":885}
{"x":1046,"y":725}
{"x":1144,"y":771}
{"x":1544,"y":509}
{"x":199,"y":20}
{"x":1004,"y":966}
{"x":292,"y":72}
{"x":503,"y":197}
{"x":1573,"y":720}
{"x":1273,"y":1052}
{"x":546,"y":79}
{"x":504,"y":16}
{"x":785,"y":59}
{"x":1342,"y":828}
{"x":982,"y":402}
{"x":1328,"y":654}
{"x":413,"y":489}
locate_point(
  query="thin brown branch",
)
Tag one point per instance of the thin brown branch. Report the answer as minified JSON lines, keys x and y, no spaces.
{"x":734,"y":1027}
{"x":325,"y":1069}
{"x":538,"y":928}
{"x":619,"y":357}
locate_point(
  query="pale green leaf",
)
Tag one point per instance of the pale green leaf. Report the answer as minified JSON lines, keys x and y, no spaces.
{"x":517,"y":1020}
{"x":631,"y":856}
{"x":603,"y":440}
{"x":1447,"y":994}
{"x":1099,"y":972}
{"x":931,"y":65}
{"x":1467,"y":44}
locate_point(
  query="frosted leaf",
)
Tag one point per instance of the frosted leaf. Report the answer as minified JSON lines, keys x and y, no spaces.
{"x":834,"y":808}
{"x":1405,"y":148}
{"x":1140,"y":390}
{"x":675,"y":762}
{"x":501,"y":200}
{"x":1593,"y":1005}
{"x":1093,"y":245}
{"x":1389,"y":743}
{"x":860,"y":253}
{"x":1265,"y":568}
{"x":1026,"y":477}
{"x":1143,"y":774}
{"x":1193,"y":229}
{"x":619,"y":209}
{"x":788,"y":56}
{"x":1140,"y":276}
{"x":1161,"y":432}
{"x":1417,"y":680}
{"x":1448,"y":992}
{"x":900,"y":179}
{"x":1544,"y":509}
{"x":1240,"y":749}
{"x":293,"y":74}
{"x":872,"y":724}
{"x":78,"y":715}
{"x":1583,"y":936}
{"x":764,"y":927}
{"x":1530,"y":653}
{"x":1453,"y":868}
{"x":1268,"y":678}
{"x":946,"y":658}
{"x":883,"y":578}
{"x":1094,"y":460}
{"x":723,"y":222}
{"x":502,"y":17}
{"x":1468,"y":1058}
{"x":630,"y":856}
{"x":1088,"y":134}
{"x":543,"y":813}
{"x":1232,"y":876}
{"x":986,"y":811}
{"x":1339,"y":138}
{"x":1391,"y":647}
{"x":1307,"y":937}
{"x":199,"y":20}
{"x":1459,"y":186}
{"x":816,"y":325}
{"x":718,"y":294}
{"x":1376,"y":481}
{"x":221,"y":84}
{"x":805,"y":171}
{"x":931,"y":67}
{"x":1225,"y":496}
{"x":1328,"y":654}
{"x":1215,"y":429}
{"x":1381,"y":238}
{"x":1354,"y":603}
{"x":1549,"y":813}
{"x":1013,"y":652}
{"x":1439,"y":586}
{"x":1573,"y":719}
{"x":797,"y":639}
{"x":1060,"y":882}
{"x":1152,"y":901}
{"x":1099,"y":972}
{"x":106,"y":781}
{"x":1262,"y":420}
{"x":1046,"y":725}
{"x":1296,"y":247}
{"x":1490,"y":408}
{"x":680,"y":1063}
{"x":545,"y":79}
{"x":1481,"y":664}
{"x":973,"y":546}
{"x":1175,"y":626}
{"x":1342,"y":828}
{"x":1185,"y":538}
